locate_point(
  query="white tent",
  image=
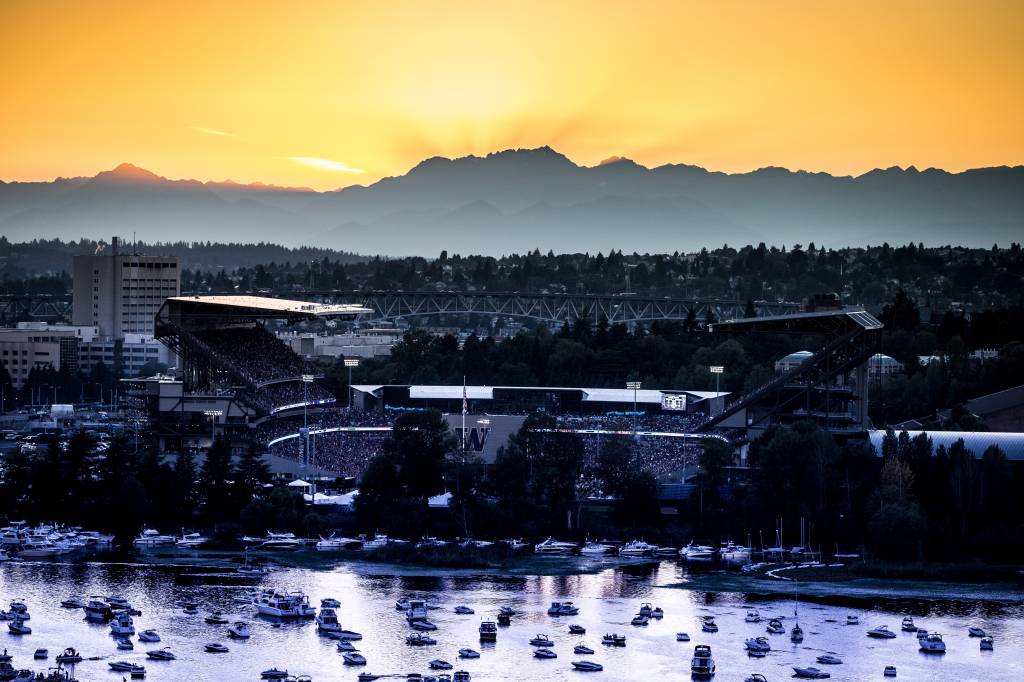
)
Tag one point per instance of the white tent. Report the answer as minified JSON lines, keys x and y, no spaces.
{"x":442,"y":500}
{"x":298,"y":483}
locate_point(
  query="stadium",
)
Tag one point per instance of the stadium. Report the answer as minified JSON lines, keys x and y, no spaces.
{"x":236,"y":379}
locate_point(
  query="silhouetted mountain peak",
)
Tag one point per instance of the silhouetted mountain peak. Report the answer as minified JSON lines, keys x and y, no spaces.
{"x":619,"y":161}
{"x":128,"y":173}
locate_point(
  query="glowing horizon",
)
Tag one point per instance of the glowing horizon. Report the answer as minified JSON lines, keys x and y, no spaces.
{"x":326,"y":94}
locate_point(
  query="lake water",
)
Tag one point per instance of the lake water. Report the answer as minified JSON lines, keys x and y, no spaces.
{"x":608,"y":596}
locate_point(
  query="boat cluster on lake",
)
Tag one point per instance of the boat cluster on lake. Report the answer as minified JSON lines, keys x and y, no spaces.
{"x":34,"y":542}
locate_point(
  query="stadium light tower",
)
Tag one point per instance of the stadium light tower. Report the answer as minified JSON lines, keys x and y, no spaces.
{"x":350,"y":363}
{"x":717,"y":370}
{"x":213,"y":414}
{"x":635,"y":386}
{"x":307,"y":379}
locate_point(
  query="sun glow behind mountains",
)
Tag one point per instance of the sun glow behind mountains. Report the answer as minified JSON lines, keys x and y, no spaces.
{"x":243,"y":90}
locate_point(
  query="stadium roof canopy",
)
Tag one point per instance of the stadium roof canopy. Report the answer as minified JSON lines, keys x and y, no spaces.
{"x":1012,"y":444}
{"x":822,"y":322}
{"x":255,"y":307}
{"x":594,"y":395}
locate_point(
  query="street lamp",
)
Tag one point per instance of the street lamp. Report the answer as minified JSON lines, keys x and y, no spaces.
{"x":717,"y":370}
{"x":350,"y":363}
{"x":213,"y":414}
{"x":635,"y":386}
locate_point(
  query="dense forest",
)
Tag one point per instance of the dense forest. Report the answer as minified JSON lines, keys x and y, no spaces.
{"x":939,"y":278}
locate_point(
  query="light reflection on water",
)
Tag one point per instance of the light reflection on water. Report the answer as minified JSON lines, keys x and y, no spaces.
{"x":607,"y":599}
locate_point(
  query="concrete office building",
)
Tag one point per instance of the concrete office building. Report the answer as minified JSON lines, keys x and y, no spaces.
{"x":37,"y":344}
{"x":121,"y":293}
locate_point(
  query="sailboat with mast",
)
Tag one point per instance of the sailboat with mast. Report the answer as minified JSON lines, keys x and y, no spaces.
{"x":796,"y":635}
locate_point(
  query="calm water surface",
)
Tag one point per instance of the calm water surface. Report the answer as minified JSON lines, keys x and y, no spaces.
{"x":607,"y":597}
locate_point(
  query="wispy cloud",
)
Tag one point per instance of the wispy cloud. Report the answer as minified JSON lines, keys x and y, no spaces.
{"x":211,"y":131}
{"x":325,"y":164}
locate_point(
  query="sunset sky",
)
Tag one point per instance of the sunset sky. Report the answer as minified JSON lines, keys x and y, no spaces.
{"x":327,"y":94}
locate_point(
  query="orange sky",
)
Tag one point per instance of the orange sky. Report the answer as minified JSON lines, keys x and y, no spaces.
{"x":326,"y":94}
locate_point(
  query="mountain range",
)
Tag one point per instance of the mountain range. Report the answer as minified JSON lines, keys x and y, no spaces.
{"x":518,"y":200}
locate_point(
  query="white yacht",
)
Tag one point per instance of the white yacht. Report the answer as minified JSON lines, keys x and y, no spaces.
{"x":516,"y":544}
{"x":829,"y":659}
{"x":881,"y":632}
{"x":335,"y":544}
{"x":330,"y":603}
{"x":908,"y":625}
{"x":293,"y":605}
{"x":852,"y":620}
{"x":353,"y":658}
{"x":987,"y":644}
{"x":552,"y":546}
{"x":464,"y":610}
{"x":469,"y":653}
{"x":758,"y":644}
{"x":810,"y":673}
{"x":932,"y":644}
{"x":149,"y":636}
{"x":151,"y":538}
{"x":191,"y":540}
{"x":682,"y":637}
{"x":38,"y":549}
{"x":279,"y":541}
{"x":416,"y":611}
{"x":563,"y":608}
{"x":698,"y":554}
{"x":775,"y":627}
{"x":122,"y":624}
{"x":161,"y":654}
{"x":239,"y":630}
{"x":377,"y":542}
{"x":753,"y":616}
{"x":327,"y":621}
{"x":477,"y":544}
{"x":596,"y":549}
{"x":735,"y":555}
{"x":587,"y":666}
{"x":702,"y":665}
{"x":637,"y":548}
{"x":73,"y":603}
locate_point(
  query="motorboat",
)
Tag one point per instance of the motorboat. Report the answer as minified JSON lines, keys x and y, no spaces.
{"x":344,"y":645}
{"x":665,"y":551}
{"x":134,"y":669}
{"x":596,"y":549}
{"x":98,"y":610}
{"x":327,"y":621}
{"x":504,"y":619}
{"x":645,"y":610}
{"x":544,"y":652}
{"x":488,"y":631}
{"x":541,"y":640}
{"x":657,"y":613}
{"x":637,"y":548}
{"x":215,"y":648}
{"x":161,"y":654}
{"x":376,"y":542}
{"x":118,"y":603}
{"x":281,"y":541}
{"x":330,"y":603}
{"x":975,"y":632}
{"x":575,"y":629}
{"x":470,"y":543}
{"x":335,"y":544}
{"x":758,"y":644}
{"x":191,"y":610}
{"x":122,"y":624}
{"x":796,"y":635}
{"x":239,"y":630}
{"x":149,"y":636}
{"x":702,"y":665}
{"x":69,"y":656}
{"x":191,"y":540}
{"x":614,"y":640}
{"x":908,"y":625}
{"x":423,"y":625}
{"x":41,"y":654}
{"x":588,"y":666}
{"x":753,"y":616}
{"x":515,"y":544}
{"x":460,"y":676}
{"x":735,"y":555}
{"x":39,"y":549}
{"x":506,"y":611}
{"x":697,"y":554}
{"x":640,"y":620}
{"x":829,"y":659}
{"x":18,"y":627}
{"x":440,"y":664}
{"x":416,"y":610}
{"x":430,"y":542}
{"x":756,"y":677}
{"x":345,"y":635}
{"x":216,"y":618}
{"x":682,"y":637}
{"x":552,"y":546}
{"x":464,"y":611}
{"x":852,"y":620}
{"x":73,"y":603}
{"x":293,"y":605}
{"x":709,"y":624}
{"x":881,"y":632}
{"x":582,"y":649}
{"x":810,"y":673}
{"x":932,"y":644}
{"x":890,"y":671}
{"x":353,"y":658}
{"x":560,"y":608}
{"x":274,"y":674}
{"x":987,"y":644}
{"x":469,"y":653}
{"x":125,"y":645}
{"x":420,"y":639}
{"x":367,"y":677}
{"x":922,"y":632}
{"x":775,"y":627}
{"x":152,"y":538}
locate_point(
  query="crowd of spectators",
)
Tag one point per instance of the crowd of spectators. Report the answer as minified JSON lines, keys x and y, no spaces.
{"x":255,"y":353}
{"x":347,"y":453}
{"x":276,"y":396}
